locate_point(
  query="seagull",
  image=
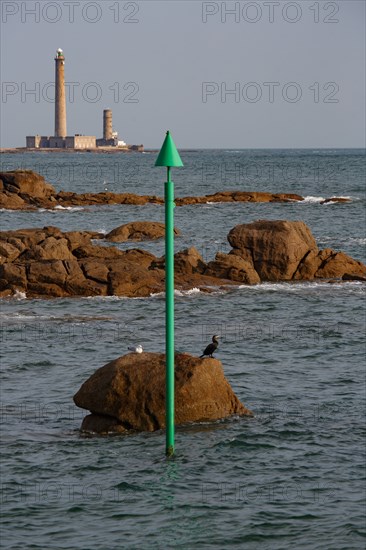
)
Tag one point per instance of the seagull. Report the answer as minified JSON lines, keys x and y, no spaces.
{"x":211,"y":348}
{"x":136,"y":349}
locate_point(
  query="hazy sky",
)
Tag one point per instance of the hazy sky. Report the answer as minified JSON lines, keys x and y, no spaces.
{"x":217,"y":74}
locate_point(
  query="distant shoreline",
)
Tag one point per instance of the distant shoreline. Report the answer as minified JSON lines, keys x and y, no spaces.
{"x":61,"y":150}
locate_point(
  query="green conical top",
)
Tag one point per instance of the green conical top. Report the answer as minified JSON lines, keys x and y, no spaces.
{"x":168,"y":155}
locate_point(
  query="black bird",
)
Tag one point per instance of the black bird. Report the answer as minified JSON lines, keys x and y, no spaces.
{"x":211,"y":348}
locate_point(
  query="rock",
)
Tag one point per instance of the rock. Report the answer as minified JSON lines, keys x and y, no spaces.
{"x":336,"y":199}
{"x":131,"y":390}
{"x":274,"y":248}
{"x":11,"y":201}
{"x":350,"y":277}
{"x":233,"y":267}
{"x":239,"y":196}
{"x":95,"y":270}
{"x":26,"y":182}
{"x":45,"y":262}
{"x":24,"y":189}
{"x":138,"y":231}
{"x":102,"y":424}
{"x":133,"y":280}
{"x":8,"y":252}
{"x":49,"y":272}
{"x":49,"y":249}
{"x":337,"y":264}
{"x":186,"y":262}
{"x":102,"y":252}
{"x":13,"y":276}
{"x":141,"y":257}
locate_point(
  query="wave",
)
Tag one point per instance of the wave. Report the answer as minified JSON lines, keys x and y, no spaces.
{"x":69,"y":208}
{"x":314,"y":199}
{"x":180,"y":293}
{"x":18,"y":295}
{"x":311,"y":199}
{"x":300,"y":286}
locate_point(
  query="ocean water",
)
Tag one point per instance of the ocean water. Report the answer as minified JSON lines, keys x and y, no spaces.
{"x":293,"y":476}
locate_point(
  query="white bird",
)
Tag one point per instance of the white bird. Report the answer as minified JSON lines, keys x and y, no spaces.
{"x":136,"y":349}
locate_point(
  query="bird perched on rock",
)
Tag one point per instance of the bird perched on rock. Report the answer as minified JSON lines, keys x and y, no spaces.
{"x":136,"y":349}
{"x":211,"y":348}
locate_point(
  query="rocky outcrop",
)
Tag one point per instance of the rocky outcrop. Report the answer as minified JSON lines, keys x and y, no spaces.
{"x":286,"y":250}
{"x":24,"y":189}
{"x":49,"y":263}
{"x":129,"y":393}
{"x":240,"y":196}
{"x":138,"y":231}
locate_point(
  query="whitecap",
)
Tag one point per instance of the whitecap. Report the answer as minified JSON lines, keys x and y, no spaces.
{"x":69,"y":208}
{"x":313,"y":199}
{"x":300,"y":286}
{"x":18,"y":295}
{"x":189,"y":292}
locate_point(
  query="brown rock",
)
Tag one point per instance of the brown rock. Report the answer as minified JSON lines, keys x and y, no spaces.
{"x":141,"y":257}
{"x":239,"y":196}
{"x":308,"y":266}
{"x":92,"y":251}
{"x":8,"y":252}
{"x":336,"y":199}
{"x":11,"y":201}
{"x":350,"y":277}
{"x":26,"y":182}
{"x":102,"y":424}
{"x":234,"y":268}
{"x":132,"y":280}
{"x":49,"y":272}
{"x":337,"y":264}
{"x":45,"y":290}
{"x":77,"y":239}
{"x":138,"y":231}
{"x":186,"y":262}
{"x":275,"y":248}
{"x":131,"y":389}
{"x":95,"y":270}
{"x":13,"y":276}
{"x":49,"y":249}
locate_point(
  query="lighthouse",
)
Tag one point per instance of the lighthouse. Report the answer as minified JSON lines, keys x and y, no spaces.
{"x":60,"y":97}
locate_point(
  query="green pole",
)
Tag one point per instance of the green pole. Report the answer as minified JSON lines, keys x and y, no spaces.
{"x":169,"y":157}
{"x":169,"y":312}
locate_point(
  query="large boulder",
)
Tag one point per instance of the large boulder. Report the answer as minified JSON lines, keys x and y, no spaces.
{"x":274,"y":248}
{"x":138,"y":231}
{"x":286,"y":250}
{"x":129,"y":393}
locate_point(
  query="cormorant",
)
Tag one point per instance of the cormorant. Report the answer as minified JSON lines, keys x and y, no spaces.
{"x":211,"y":348}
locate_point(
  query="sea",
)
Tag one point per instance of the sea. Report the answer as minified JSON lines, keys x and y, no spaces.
{"x":291,"y":477}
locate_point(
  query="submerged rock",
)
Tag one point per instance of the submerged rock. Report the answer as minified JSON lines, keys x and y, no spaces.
{"x":129,"y":393}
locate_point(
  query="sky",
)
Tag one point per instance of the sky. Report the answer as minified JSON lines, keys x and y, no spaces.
{"x":251,"y":74}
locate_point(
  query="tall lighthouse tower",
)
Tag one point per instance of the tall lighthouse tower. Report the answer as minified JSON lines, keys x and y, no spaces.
{"x":60,"y":97}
